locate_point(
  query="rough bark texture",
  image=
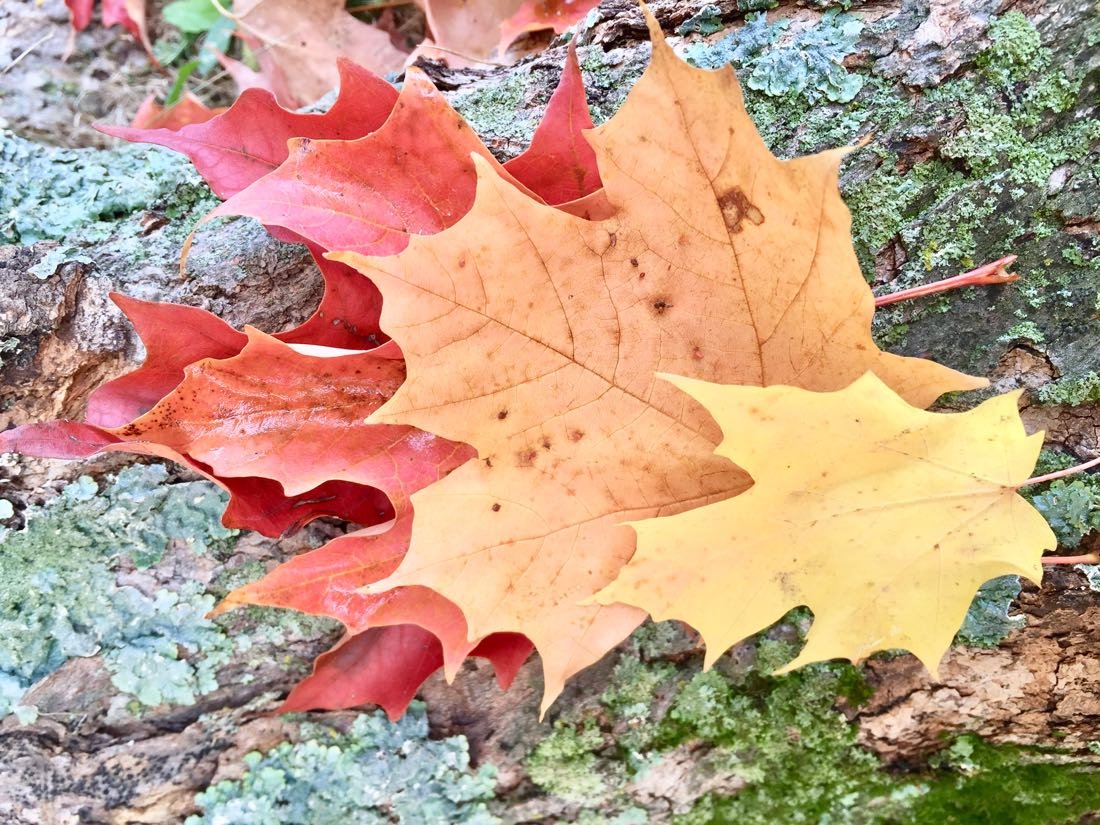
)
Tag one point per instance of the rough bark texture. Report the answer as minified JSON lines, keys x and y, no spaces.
{"x":88,"y":758}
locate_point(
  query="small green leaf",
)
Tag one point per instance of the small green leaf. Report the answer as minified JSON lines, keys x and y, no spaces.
{"x":176,"y":92}
{"x":192,"y":16}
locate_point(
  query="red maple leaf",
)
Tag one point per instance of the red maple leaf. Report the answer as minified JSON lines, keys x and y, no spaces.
{"x":279,"y":426}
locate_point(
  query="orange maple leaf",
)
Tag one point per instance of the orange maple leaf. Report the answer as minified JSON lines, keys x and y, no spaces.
{"x":535,"y":336}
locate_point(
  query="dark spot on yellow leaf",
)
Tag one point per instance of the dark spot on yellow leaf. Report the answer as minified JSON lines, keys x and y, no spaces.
{"x":633,"y":261}
{"x":526,"y":458}
{"x":502,"y":415}
{"x":496,"y":508}
{"x":575,"y":435}
{"x":736,"y":209}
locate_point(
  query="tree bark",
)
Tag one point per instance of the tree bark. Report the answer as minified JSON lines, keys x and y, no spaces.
{"x":1040,"y":686}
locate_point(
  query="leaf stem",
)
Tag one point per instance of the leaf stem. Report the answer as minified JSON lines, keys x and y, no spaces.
{"x":990,"y":273}
{"x":1088,"y":558}
{"x":1069,"y":471}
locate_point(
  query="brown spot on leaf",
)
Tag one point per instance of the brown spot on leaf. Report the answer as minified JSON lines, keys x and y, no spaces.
{"x":736,"y":209}
{"x":502,"y":415}
{"x":633,"y":261}
{"x":526,"y":458}
{"x":496,"y":507}
{"x":575,"y":435}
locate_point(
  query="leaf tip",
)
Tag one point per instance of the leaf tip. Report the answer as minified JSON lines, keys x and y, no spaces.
{"x":656,"y":35}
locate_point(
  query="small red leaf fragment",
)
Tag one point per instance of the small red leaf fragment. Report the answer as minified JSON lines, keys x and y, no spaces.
{"x":559,"y":165}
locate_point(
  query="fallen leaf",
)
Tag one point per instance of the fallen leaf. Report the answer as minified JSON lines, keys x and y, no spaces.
{"x":464,"y":32}
{"x":303,"y":40}
{"x":189,"y":110}
{"x":885,"y":528}
{"x":559,"y":166}
{"x":347,"y":317}
{"x":534,"y":336}
{"x":130,"y":14}
{"x":387,"y":666}
{"x":276,"y":413}
{"x":411,"y":175}
{"x":254,"y":503}
{"x":249,"y":140}
{"x":174,"y":336}
{"x":536,"y":15}
{"x":328,"y":582}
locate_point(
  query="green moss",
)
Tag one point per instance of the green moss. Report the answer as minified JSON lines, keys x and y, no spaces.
{"x":1071,"y":506}
{"x":797,"y":752}
{"x":79,"y":194}
{"x":980,"y":783}
{"x":707,"y":20}
{"x":565,"y":762}
{"x":1071,"y":392}
{"x":807,"y":65}
{"x":608,"y":78}
{"x":988,"y":622}
{"x":1014,"y":51}
{"x":495,"y":111}
{"x":375,"y":773}
{"x":835,"y":781}
{"x":983,"y":193}
{"x":1024,"y":331}
{"x":784,"y":737}
{"x":59,"y":599}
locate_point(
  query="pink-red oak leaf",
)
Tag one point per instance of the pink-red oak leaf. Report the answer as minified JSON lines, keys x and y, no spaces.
{"x":244,"y":143}
{"x":386,"y":667}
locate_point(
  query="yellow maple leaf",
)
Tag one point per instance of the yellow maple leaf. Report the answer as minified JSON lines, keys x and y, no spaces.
{"x":535,"y":336}
{"x":882,"y":518}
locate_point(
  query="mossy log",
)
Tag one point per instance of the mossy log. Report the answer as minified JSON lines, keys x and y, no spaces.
{"x":982,"y":141}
